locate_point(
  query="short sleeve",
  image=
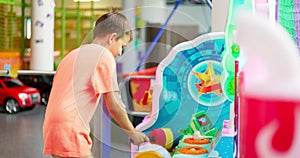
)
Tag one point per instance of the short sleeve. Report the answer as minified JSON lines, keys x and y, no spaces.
{"x":105,"y":76}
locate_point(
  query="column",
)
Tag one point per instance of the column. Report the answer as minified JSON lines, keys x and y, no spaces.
{"x":42,"y":41}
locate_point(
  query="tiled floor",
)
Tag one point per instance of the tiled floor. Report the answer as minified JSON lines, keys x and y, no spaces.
{"x":21,"y":136}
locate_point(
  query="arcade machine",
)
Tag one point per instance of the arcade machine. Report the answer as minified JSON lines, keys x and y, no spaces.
{"x":193,"y":101}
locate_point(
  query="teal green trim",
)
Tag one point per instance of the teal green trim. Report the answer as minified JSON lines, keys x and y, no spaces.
{"x":286,"y":17}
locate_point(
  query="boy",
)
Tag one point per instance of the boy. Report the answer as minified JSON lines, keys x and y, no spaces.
{"x":82,"y":77}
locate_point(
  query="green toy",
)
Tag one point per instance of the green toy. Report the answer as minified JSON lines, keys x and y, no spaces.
{"x":200,"y":122}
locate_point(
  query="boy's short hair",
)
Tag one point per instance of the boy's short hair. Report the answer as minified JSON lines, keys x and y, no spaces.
{"x":112,"y":23}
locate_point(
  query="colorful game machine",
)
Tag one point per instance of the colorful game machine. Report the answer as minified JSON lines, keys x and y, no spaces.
{"x":191,"y":103}
{"x":193,"y":108}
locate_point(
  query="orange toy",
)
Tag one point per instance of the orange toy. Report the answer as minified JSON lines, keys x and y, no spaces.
{"x":196,"y":141}
{"x":148,"y":154}
{"x":192,"y":150}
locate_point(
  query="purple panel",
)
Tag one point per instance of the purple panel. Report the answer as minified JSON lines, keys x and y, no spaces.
{"x":119,"y":68}
{"x":277,"y":11}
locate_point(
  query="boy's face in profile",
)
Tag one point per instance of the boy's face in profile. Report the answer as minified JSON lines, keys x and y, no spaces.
{"x":118,"y":44}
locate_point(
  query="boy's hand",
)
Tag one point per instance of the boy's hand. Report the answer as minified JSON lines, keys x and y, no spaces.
{"x":137,"y":137}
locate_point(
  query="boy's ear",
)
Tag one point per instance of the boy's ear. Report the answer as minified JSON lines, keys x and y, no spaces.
{"x":112,"y":37}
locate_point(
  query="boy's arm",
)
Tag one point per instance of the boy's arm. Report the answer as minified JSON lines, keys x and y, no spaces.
{"x":119,"y":114}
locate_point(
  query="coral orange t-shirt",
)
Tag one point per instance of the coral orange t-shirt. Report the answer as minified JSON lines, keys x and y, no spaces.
{"x":82,"y":76}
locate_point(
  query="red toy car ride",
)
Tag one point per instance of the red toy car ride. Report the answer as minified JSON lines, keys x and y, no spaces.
{"x":14,"y":95}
